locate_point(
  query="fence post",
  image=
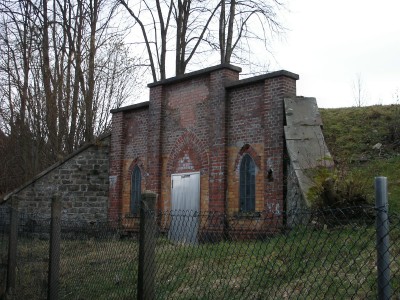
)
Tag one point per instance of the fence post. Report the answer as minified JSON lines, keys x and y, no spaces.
{"x":382,"y":238}
{"x":54,"y":252}
{"x":147,"y":245}
{"x":12,"y":247}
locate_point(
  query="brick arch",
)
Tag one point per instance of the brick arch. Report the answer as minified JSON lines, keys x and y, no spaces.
{"x":136,"y":162}
{"x":190,"y":142}
{"x":247,"y":149}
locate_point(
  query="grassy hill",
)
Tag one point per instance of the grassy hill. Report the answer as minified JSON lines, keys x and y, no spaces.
{"x":365,"y":142}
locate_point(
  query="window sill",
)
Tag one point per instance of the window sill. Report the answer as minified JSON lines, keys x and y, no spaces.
{"x":248,"y":215}
{"x":132,"y":216}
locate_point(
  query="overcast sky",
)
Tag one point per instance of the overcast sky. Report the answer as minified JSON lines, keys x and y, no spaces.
{"x":330,"y":42}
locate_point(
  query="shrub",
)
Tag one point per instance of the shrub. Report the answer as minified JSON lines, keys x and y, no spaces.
{"x":336,"y":188}
{"x":394,"y":127}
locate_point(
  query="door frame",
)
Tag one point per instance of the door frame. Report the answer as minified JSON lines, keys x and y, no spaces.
{"x":187,"y":173}
{"x":189,"y":235}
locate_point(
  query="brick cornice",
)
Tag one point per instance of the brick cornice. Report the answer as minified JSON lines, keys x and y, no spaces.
{"x":194,"y":74}
{"x":260,"y":78}
{"x":131,"y":107}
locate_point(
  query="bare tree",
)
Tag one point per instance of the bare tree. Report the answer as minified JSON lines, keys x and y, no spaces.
{"x":245,"y":21}
{"x":154,"y":18}
{"x":63,"y":65}
{"x":359,"y":92}
{"x":200,"y":28}
{"x":192,"y":24}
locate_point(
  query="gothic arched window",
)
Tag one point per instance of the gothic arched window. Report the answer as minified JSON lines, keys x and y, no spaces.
{"x":247,"y":184}
{"x":136,"y":192}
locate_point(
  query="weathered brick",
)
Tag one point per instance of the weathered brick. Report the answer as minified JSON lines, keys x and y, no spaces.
{"x":204,"y":122}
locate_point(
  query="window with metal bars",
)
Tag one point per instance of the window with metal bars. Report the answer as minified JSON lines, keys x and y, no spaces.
{"x":136,"y":192}
{"x":247,"y":184}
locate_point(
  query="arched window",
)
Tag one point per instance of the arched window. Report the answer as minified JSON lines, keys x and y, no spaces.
{"x":136,"y":192}
{"x":247,"y":184}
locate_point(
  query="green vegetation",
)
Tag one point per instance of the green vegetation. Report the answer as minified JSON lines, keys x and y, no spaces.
{"x":305,"y":263}
{"x":351,"y":134}
{"x":336,"y":188}
{"x":89,"y":269}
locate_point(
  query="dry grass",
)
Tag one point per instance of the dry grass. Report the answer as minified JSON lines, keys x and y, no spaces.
{"x":305,"y":263}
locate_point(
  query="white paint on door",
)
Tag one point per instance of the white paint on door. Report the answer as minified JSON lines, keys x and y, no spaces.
{"x":185,"y":207}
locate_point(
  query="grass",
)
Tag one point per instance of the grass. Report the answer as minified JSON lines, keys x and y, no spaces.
{"x":89,"y":269}
{"x":101,"y":269}
{"x":388,"y":167}
{"x":304,"y":263}
{"x":351,"y":133}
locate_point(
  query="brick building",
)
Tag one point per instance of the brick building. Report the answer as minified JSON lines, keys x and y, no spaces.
{"x":204,"y":141}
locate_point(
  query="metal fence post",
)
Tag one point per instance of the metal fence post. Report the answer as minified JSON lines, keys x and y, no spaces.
{"x":54,"y":255}
{"x":147,"y":245}
{"x":12,"y":247}
{"x":382,"y":238}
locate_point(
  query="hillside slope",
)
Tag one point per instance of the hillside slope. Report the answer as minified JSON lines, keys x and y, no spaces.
{"x":365,"y":141}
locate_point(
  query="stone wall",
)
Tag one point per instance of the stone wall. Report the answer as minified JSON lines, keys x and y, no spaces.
{"x":81,"y":181}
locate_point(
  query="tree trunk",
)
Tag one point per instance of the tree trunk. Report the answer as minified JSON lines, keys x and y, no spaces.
{"x":51,"y":109}
{"x":90,"y":91}
{"x":229,"y":49}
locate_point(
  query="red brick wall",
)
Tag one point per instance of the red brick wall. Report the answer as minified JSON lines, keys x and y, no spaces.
{"x":256,"y":120}
{"x":184,"y":121}
{"x":275,"y":90}
{"x":196,"y":124}
{"x":128,"y":147}
{"x":154,"y":140}
{"x":116,"y":157}
{"x":188,"y":155}
{"x":193,"y":130}
{"x":186,"y":110}
{"x":245,"y":135}
{"x":135,"y":152}
{"x":218,"y":138}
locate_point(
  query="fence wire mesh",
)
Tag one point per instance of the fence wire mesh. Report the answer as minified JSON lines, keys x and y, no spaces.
{"x":268,"y":255}
{"x":328,"y":254}
{"x":4,"y":233}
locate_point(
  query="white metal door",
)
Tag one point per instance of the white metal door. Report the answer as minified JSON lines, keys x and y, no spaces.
{"x":185,"y":207}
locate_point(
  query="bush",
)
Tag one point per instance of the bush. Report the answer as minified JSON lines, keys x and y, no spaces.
{"x":394,"y":127}
{"x":336,"y":188}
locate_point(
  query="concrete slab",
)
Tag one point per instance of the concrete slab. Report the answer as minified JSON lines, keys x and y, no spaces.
{"x":308,"y":154}
{"x":302,"y":111}
{"x":305,"y":141}
{"x":304,"y":133}
{"x":305,"y":183}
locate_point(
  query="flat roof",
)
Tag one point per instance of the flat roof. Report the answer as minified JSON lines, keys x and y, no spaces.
{"x":131,"y":107}
{"x":260,"y":78}
{"x":190,"y":75}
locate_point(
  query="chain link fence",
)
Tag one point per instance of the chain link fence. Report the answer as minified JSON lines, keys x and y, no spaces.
{"x":327,"y":254}
{"x":189,"y":255}
{"x":4,"y":233}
